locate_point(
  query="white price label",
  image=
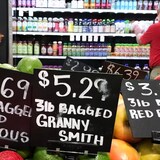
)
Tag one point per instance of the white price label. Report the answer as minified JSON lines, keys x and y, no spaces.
{"x":102,"y":39}
{"x":71,"y":37}
{"x":78,"y":37}
{"x":84,"y":38}
{"x":90,"y":38}
{"x":95,"y":38}
{"x":21,"y":13}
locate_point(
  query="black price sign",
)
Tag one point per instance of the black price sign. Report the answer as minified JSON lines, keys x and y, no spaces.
{"x":74,"y":65}
{"x":75,"y":111}
{"x":15,"y":108}
{"x":142,"y":102}
{"x":127,"y":72}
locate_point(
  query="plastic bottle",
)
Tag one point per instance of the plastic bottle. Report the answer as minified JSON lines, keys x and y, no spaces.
{"x":45,"y":24}
{"x":24,"y":48}
{"x":65,"y":49}
{"x":43,"y":49}
{"x":60,"y":48}
{"x":30,"y":48}
{"x":36,"y":48}
{"x":93,"y":4}
{"x":134,"y":5}
{"x":50,"y":23}
{"x":86,"y":4}
{"x":49,"y":49}
{"x":137,"y":67}
{"x":147,"y":69}
{"x":55,"y":48}
{"x":14,"y":47}
{"x":19,"y":47}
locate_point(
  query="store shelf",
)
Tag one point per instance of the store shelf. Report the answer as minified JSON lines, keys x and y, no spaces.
{"x":74,"y":34}
{"x":81,"y":10}
{"x":85,"y":57}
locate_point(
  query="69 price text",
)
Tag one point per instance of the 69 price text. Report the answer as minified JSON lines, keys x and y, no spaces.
{"x":8,"y":92}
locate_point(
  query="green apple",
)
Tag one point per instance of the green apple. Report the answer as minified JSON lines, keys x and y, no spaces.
{"x":148,"y":150}
{"x":150,"y":157}
{"x":28,"y":64}
{"x":7,"y":66}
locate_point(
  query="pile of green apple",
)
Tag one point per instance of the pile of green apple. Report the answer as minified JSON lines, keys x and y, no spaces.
{"x":25,"y":65}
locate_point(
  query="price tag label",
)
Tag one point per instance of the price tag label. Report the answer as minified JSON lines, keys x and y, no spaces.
{"x":142,"y":102}
{"x":71,"y":37}
{"x":68,"y":114}
{"x":20,"y":13}
{"x":78,"y":37}
{"x":102,"y":38}
{"x":75,"y":65}
{"x":127,"y":72}
{"x":16,"y":108}
{"x":31,"y":13}
{"x":84,"y":38}
{"x":95,"y":38}
{"x":90,"y":38}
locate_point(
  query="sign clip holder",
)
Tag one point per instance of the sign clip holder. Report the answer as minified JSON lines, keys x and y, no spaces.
{"x":156,"y":137}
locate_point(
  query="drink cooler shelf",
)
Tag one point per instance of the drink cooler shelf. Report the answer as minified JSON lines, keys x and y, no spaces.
{"x":82,"y":10}
{"x":85,"y":57}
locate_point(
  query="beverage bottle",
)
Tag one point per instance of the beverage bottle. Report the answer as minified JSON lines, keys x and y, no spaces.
{"x":30,"y":48}
{"x":35,"y":24}
{"x":80,"y":25}
{"x":33,"y":3}
{"x":150,"y":5}
{"x":109,"y":4}
{"x":24,"y":48}
{"x":60,"y":48}
{"x":14,"y":47}
{"x":118,"y":4}
{"x":113,"y":26}
{"x":24,"y":3}
{"x":19,"y":4}
{"x":36,"y":48}
{"x":86,"y":4}
{"x":19,"y":47}
{"x":28,"y":3}
{"x":140,"y":5}
{"x":55,"y":48}
{"x":90,"y":27}
{"x":65,"y":49}
{"x":137,"y":67}
{"x":95,"y":26}
{"x":134,"y":5}
{"x":43,"y":49}
{"x":49,"y":49}
{"x":70,"y":25}
{"x":84,"y":26}
{"x":50,"y":23}
{"x":98,"y":4}
{"x":14,"y":3}
{"x":93,"y":4}
{"x":44,"y":24}
{"x":147,"y":69}
{"x":103,"y":4}
{"x":100,"y":26}
{"x":61,"y":24}
{"x":145,"y":4}
{"x":75,"y":29}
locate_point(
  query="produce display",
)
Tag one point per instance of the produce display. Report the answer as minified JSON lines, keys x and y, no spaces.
{"x":123,"y":146}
